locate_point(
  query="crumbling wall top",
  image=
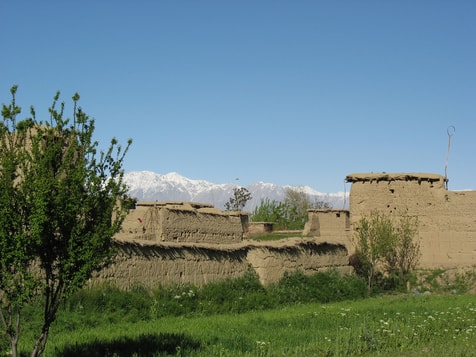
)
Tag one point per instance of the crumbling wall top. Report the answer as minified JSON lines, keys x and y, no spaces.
{"x":384,"y":176}
{"x":195,"y":205}
{"x":327,"y":210}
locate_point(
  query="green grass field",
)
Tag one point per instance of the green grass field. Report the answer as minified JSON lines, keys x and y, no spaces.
{"x":403,"y":325}
{"x":324,"y":314}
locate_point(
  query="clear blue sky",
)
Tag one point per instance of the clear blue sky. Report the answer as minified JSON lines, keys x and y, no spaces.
{"x":288,"y":92}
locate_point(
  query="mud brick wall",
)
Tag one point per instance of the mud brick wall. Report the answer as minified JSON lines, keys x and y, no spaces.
{"x":150,"y":264}
{"x":183,"y":222}
{"x":328,"y":223}
{"x":447,"y":219}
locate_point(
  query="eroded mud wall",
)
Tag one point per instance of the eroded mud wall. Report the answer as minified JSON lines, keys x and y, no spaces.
{"x":183,"y":222}
{"x":150,"y":265}
{"x":153,"y":264}
{"x":203,"y":225}
{"x":447,"y":219}
{"x":309,"y":257}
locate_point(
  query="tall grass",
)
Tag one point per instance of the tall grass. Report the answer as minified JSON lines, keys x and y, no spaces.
{"x":324,"y":314}
{"x":235,"y":295}
{"x":395,"y":326}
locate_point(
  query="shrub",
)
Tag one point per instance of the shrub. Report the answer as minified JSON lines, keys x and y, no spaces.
{"x":385,"y":250}
{"x":296,"y":287}
{"x":445,"y":281}
{"x":293,"y":288}
{"x":235,"y":295}
{"x":174,"y":301}
{"x":130,"y":304}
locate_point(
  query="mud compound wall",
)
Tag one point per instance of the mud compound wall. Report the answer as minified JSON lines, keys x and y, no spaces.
{"x":185,"y":222}
{"x":328,"y":223}
{"x":447,"y":219}
{"x":179,"y":243}
{"x":150,"y":264}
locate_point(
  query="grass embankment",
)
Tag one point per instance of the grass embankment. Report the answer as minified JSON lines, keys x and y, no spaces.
{"x":241,"y":318}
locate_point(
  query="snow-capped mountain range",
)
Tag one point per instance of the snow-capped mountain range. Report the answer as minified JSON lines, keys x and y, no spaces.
{"x":150,"y":186}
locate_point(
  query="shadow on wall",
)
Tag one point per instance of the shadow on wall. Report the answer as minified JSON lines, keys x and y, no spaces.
{"x":150,"y":264}
{"x":152,"y":251}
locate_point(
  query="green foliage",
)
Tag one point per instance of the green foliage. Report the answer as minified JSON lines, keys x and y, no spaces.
{"x":411,"y":324}
{"x":320,"y":287}
{"x":229,"y":295}
{"x":454,"y":281}
{"x":291,"y":214}
{"x":460,"y":282}
{"x":271,"y":211}
{"x":60,"y":205}
{"x":233,"y":295}
{"x":402,"y":259}
{"x":385,"y":249}
{"x":239,"y":199}
{"x":297,"y":203}
{"x":131,"y":305}
{"x":174,"y":301}
{"x":129,"y":202}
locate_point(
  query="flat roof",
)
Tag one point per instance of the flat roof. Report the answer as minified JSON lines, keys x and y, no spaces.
{"x":384,"y":176}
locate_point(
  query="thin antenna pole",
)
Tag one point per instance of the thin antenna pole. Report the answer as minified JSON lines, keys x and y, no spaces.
{"x":345,"y":195}
{"x":450,"y":131}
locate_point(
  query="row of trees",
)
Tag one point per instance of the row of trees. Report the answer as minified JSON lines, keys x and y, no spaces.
{"x":60,"y":205}
{"x":289,"y":214}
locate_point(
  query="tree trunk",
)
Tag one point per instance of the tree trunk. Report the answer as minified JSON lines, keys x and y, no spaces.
{"x":40,"y":344}
{"x":13,"y":330}
{"x":14,"y":345}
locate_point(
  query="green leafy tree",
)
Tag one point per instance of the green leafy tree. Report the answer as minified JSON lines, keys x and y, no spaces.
{"x":17,"y":284}
{"x":374,"y":239}
{"x":238,"y":201}
{"x":297,"y":202}
{"x":288,"y":214}
{"x":404,"y":255}
{"x":386,"y":246}
{"x":60,"y":204}
{"x":270,"y":211}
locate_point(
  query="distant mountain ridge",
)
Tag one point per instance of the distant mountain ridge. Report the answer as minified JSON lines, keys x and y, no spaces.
{"x":151,"y":186}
